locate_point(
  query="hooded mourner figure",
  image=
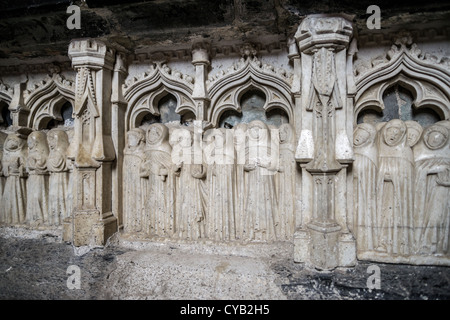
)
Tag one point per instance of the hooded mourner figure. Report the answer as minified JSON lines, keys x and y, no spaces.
{"x":57,"y":165}
{"x":37,"y":184}
{"x":261,"y":207}
{"x":159,"y":212}
{"x":365,"y":168}
{"x":395,"y":190}
{"x":13,"y":206}
{"x":432,"y":192}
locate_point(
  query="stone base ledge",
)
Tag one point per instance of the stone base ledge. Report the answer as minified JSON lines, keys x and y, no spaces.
{"x":413,"y":259}
{"x":278,"y":249}
{"x":53,"y":234}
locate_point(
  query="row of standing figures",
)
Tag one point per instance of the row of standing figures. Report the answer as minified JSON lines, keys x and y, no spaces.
{"x":242,"y":188}
{"x":402,"y":188}
{"x":247,"y":192}
{"x":35,"y":178}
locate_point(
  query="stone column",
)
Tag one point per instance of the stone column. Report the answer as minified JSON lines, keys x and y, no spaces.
{"x":19,"y":111}
{"x":92,"y":148}
{"x":322,"y":240}
{"x":118,"y":105}
{"x":200,"y":60}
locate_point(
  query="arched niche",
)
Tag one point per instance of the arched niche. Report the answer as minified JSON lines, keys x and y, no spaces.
{"x":253,"y":106}
{"x":5,"y":115}
{"x":58,"y":113}
{"x":406,"y":66}
{"x":64,"y":117}
{"x":227,"y":91}
{"x":402,"y":98}
{"x":146,"y":93}
{"x":47,"y":103}
{"x":165,"y":111}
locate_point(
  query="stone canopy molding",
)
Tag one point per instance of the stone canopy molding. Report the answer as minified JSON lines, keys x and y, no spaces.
{"x":314,"y":140}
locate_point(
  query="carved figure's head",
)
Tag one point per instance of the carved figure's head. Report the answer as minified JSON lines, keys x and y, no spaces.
{"x":394,"y":132}
{"x":134,"y":137}
{"x":364,"y":134}
{"x":436,"y":136}
{"x":413,"y":132}
{"x":157,"y":133}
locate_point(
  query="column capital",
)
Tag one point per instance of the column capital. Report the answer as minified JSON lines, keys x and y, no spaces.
{"x":317,"y":31}
{"x":91,"y":53}
{"x":200,"y":53}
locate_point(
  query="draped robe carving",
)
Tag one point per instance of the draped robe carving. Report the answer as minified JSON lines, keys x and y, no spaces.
{"x":57,"y":165}
{"x":13,"y":207}
{"x":190,"y":198}
{"x":365,"y":169}
{"x":160,"y":196}
{"x":221,"y":180}
{"x":239,"y":139}
{"x":37,"y":182}
{"x":260,"y":203}
{"x":395,"y":190}
{"x":432,"y":193}
{"x":133,"y":185}
{"x":286,"y":182}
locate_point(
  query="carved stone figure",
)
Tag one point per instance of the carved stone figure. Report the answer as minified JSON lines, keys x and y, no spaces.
{"x":160,"y":197}
{"x":190,"y":193}
{"x":260,"y":204}
{"x":37,"y":184}
{"x":13,"y":207}
{"x":286,"y":183}
{"x":133,"y":185}
{"x":221,"y":181}
{"x":432,"y":193}
{"x":57,"y":165}
{"x":395,"y":190}
{"x":239,"y":139}
{"x":365,"y":168}
{"x":413,"y":132}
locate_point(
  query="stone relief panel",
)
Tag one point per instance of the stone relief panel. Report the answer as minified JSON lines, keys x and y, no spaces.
{"x":401,"y":157}
{"x":400,"y":170}
{"x":213,"y":156}
{"x":231,"y":186}
{"x":13,"y":206}
{"x":35,"y":155}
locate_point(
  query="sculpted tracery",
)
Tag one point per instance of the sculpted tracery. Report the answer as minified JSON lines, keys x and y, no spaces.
{"x":346,"y":160}
{"x":396,"y":168}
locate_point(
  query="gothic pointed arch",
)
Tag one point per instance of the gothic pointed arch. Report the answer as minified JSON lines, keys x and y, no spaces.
{"x":406,"y":65}
{"x":6,"y":94}
{"x":227,"y":89}
{"x":46,"y":100}
{"x":145,"y":91}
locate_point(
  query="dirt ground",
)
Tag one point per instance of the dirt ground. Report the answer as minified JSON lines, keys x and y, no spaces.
{"x":37,"y":269}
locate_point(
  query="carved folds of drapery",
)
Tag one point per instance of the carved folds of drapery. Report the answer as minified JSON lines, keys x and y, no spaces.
{"x":401,"y":191}
{"x":239,"y":190}
{"x":382,"y":196}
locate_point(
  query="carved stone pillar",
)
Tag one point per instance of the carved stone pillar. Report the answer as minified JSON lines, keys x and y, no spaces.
{"x":19,"y":111}
{"x":200,"y":59}
{"x":118,"y":108}
{"x":324,"y":151}
{"x":92,"y":148}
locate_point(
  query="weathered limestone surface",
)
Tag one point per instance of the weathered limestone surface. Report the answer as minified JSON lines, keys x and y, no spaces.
{"x":284,"y":128}
{"x":34,"y":266}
